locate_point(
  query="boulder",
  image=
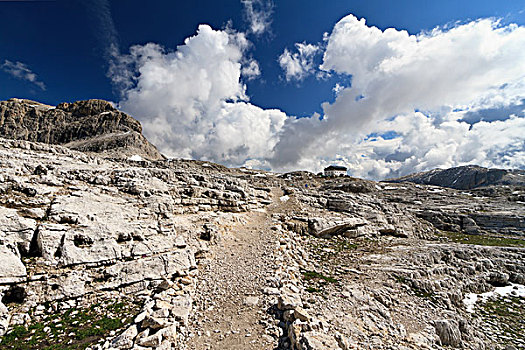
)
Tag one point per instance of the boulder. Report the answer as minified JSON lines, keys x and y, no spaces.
{"x":125,"y":340}
{"x":181,"y":307}
{"x":448,"y":332}
{"x":314,"y":340}
{"x":322,"y":227}
{"x":154,"y":322}
{"x":498,"y":279}
{"x":469,"y":226}
{"x":11,"y":268}
{"x":288,"y":302}
{"x":151,"y":340}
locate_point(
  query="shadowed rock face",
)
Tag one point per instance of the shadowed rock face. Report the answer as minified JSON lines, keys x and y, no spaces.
{"x":465,"y":177}
{"x":89,"y":126}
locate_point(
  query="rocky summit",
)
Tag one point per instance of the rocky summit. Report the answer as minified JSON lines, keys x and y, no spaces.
{"x":90,"y":126}
{"x":100,"y":250}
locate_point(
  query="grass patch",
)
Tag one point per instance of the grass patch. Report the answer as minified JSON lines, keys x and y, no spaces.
{"x":504,"y":317}
{"x":326,"y":249}
{"x":343,"y":245}
{"x":400,"y":279}
{"x":416,"y":291}
{"x":312,"y":275}
{"x":484,"y":240}
{"x":423,"y":294}
{"x":74,"y":329}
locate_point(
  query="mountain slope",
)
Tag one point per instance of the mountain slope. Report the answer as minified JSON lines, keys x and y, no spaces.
{"x":465,"y":177}
{"x":89,"y":126}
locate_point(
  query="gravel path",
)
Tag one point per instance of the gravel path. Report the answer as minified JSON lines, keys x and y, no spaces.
{"x":231,"y":312}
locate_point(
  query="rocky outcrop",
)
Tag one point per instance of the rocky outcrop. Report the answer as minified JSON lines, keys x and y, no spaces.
{"x":358,"y":294}
{"x":89,"y":126}
{"x":466,"y":177}
{"x":474,"y":212}
{"x":354,"y":213}
{"x":11,"y":268}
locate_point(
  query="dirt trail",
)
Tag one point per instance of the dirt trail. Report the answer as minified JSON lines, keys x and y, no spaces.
{"x":229,"y":303}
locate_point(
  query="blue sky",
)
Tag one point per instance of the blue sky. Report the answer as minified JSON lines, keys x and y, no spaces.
{"x":60,"y":42}
{"x":54,"y":51}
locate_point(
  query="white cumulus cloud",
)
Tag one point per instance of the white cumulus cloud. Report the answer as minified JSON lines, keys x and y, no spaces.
{"x":447,"y":97}
{"x":251,"y":69}
{"x":22,"y":71}
{"x":298,"y":65}
{"x":475,"y":65}
{"x":423,"y":144}
{"x":258,"y":14}
{"x":192,"y":102}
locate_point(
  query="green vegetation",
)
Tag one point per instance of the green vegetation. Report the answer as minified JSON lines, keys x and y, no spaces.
{"x":75,"y":329}
{"x":400,"y":279}
{"x":415,"y":290}
{"x":328,"y":249}
{"x":312,"y":275}
{"x":313,"y":290}
{"x":498,"y":241}
{"x":504,"y":317}
{"x":424,"y":294}
{"x":342,"y":245}
{"x":316,"y":281}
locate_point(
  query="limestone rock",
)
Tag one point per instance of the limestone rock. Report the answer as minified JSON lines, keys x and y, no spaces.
{"x":151,"y":340}
{"x":498,"y":279}
{"x":16,"y":230}
{"x":11,"y":268}
{"x":50,"y":239}
{"x":288,"y":302}
{"x":314,"y":340}
{"x":154,"y":323}
{"x":469,"y":225}
{"x":322,"y":227}
{"x":81,"y":247}
{"x":125,"y":340}
{"x":181,"y":307}
{"x":251,"y":301}
{"x":301,"y":314}
{"x":449,"y":333}
{"x":92,"y":125}
{"x":4,"y":319}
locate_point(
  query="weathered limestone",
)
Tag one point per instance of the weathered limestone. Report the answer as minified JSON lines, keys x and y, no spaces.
{"x":448,"y":332}
{"x":322,"y":227}
{"x":11,"y":268}
{"x":4,"y":319}
{"x":92,"y":125}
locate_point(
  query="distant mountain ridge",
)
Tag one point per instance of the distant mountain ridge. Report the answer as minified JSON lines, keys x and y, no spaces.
{"x":465,"y":177}
{"x":89,"y":126}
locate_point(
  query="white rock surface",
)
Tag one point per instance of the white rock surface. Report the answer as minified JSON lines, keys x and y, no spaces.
{"x":11,"y":268}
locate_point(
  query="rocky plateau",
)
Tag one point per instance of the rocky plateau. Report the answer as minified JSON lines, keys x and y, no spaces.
{"x":107,"y":244}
